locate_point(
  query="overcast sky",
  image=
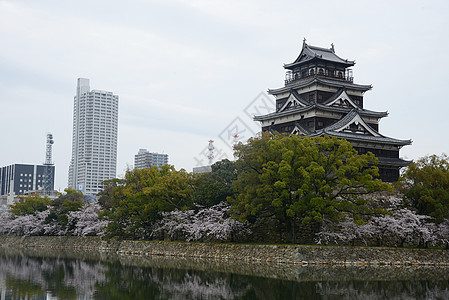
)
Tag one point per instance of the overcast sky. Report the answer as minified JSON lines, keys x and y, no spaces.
{"x":190,"y":71}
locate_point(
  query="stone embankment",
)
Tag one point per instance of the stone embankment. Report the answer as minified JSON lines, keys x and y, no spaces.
{"x":284,"y":254}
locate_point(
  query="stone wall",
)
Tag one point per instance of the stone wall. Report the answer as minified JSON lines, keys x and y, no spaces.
{"x":285,"y":254}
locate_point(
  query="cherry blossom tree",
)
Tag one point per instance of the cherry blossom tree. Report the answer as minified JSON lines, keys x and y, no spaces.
{"x":399,"y":227}
{"x":212,"y":223}
{"x":81,"y":222}
{"x":85,"y":221}
{"x":32,"y":224}
{"x":405,"y":225}
{"x":346,"y":232}
{"x":5,"y":220}
{"x":442,"y":233}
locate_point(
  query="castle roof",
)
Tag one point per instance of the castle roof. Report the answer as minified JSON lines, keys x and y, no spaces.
{"x":319,"y":80}
{"x":298,"y":109}
{"x":309,"y":53}
{"x":353,"y":127}
{"x":393,"y":162}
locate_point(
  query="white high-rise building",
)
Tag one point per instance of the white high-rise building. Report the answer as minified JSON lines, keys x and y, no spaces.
{"x":94,"y":142}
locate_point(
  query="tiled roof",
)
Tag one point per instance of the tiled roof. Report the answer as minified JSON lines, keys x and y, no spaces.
{"x":343,"y":121}
{"x":394,"y":162}
{"x":310,"y":52}
{"x":302,"y":129}
{"x":297,"y":100}
{"x":362,"y":112}
{"x":339,"y":83}
{"x":297,"y":96}
{"x":332,"y":131}
{"x":365,"y":138}
{"x":343,"y":110}
{"x":313,"y":80}
{"x":335,"y":96}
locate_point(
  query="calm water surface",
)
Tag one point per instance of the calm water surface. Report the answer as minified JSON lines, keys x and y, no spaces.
{"x":38,"y":274}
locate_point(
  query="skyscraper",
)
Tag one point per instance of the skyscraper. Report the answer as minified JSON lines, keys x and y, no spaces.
{"x":94,"y":142}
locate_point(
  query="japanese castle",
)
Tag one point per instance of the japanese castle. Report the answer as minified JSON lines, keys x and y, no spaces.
{"x":320,"y":98}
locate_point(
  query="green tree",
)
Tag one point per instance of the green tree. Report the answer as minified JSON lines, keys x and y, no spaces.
{"x":135,"y":204}
{"x":301,"y":179}
{"x":112,"y":191}
{"x":214,"y":187}
{"x":425,"y":184}
{"x":72,"y":200}
{"x":28,"y":205}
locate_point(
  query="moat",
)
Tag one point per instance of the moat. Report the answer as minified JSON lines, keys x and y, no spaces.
{"x":68,"y":274}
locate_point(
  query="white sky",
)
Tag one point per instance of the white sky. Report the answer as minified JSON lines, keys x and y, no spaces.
{"x":185,"y":70}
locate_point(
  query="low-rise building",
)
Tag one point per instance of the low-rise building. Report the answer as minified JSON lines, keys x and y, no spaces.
{"x":18,"y":179}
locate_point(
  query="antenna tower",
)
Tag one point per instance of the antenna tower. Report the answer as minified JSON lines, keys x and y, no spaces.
{"x":235,"y":143}
{"x":48,"y":179}
{"x":210,"y":154}
{"x":236,"y":139}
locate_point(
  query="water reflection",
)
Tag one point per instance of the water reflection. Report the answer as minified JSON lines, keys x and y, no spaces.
{"x":37,"y":274}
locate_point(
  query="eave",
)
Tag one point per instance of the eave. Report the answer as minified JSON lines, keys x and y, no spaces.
{"x":342,"y":110}
{"x":317,"y":80}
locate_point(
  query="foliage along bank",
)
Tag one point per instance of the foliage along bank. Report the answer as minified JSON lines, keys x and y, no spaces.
{"x":280,"y":189}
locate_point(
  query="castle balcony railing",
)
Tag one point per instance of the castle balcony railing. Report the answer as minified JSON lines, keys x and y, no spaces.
{"x":297,"y":77}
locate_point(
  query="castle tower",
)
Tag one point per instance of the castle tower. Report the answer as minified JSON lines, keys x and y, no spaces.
{"x":320,"y":98}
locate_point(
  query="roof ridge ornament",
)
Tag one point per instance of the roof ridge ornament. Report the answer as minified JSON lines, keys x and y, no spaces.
{"x":332,"y":48}
{"x":304,"y":42}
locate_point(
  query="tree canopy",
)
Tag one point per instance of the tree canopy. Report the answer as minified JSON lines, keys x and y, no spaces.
{"x":302,"y":179}
{"x":136,"y":203}
{"x":214,"y":187}
{"x":31,"y":204}
{"x":71,"y":201}
{"x":426,"y":186}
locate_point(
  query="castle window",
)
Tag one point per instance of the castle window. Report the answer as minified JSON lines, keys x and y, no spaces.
{"x":321,"y":72}
{"x":340,"y":75}
{"x":312,"y":71}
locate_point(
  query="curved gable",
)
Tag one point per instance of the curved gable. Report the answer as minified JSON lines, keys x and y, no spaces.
{"x":293,"y":101}
{"x":342,"y":100}
{"x":356,"y":125}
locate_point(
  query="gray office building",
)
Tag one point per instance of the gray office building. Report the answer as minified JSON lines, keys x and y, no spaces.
{"x":22,"y":178}
{"x":144,"y":159}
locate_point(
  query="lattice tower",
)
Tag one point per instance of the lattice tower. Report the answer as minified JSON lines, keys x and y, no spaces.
{"x":48,"y":165}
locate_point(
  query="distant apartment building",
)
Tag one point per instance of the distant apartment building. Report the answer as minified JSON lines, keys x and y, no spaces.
{"x":94,"y":142}
{"x":20,"y":179}
{"x":202,"y":170}
{"x":144,"y":159}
